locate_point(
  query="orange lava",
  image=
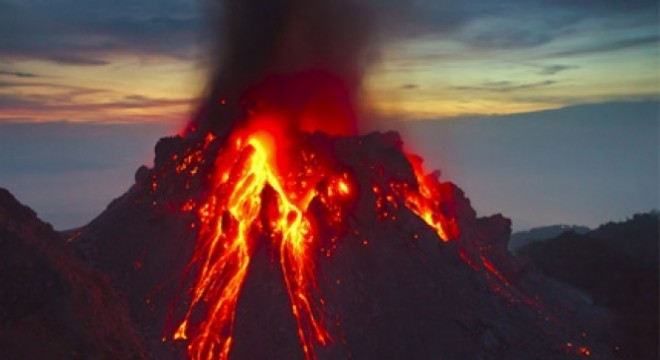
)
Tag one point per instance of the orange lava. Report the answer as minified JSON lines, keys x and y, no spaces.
{"x":431,"y":202}
{"x":229,"y":217}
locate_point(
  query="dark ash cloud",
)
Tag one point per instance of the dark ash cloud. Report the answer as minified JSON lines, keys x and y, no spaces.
{"x":285,"y":54}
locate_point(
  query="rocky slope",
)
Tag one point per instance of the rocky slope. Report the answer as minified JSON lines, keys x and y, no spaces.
{"x":392,"y":288}
{"x":52,"y":304}
{"x":617,"y":266}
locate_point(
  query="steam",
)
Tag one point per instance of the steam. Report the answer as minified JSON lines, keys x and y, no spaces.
{"x":286,"y":54}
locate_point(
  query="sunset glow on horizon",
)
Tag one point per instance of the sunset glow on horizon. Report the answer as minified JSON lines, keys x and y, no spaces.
{"x":440,"y":60}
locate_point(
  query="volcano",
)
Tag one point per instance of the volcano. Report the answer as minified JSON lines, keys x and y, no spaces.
{"x":333,"y":247}
{"x":260,"y":242}
{"x":268,"y":229}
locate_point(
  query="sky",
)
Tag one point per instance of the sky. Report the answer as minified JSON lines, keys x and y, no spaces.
{"x":86,"y":88}
{"x":143,"y":60}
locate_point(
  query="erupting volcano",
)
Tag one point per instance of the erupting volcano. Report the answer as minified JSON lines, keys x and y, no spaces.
{"x":328,"y":219}
{"x":269,"y":229}
{"x":268,"y":185}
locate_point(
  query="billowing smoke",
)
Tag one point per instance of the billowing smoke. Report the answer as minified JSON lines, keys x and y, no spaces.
{"x":302,"y":59}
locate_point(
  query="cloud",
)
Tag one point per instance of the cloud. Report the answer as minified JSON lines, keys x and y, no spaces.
{"x":409,"y":86}
{"x":513,"y":24}
{"x":17,"y":74}
{"x":8,"y":84}
{"x":553,"y":69}
{"x":510,"y":37}
{"x":605,"y":6}
{"x":62,"y":102}
{"x":14,"y":101}
{"x":504,"y":86}
{"x":56,"y":93}
{"x":617,"y":45}
{"x":421,"y":17}
{"x":39,"y":100}
{"x":75,"y":60}
{"x":93,"y":32}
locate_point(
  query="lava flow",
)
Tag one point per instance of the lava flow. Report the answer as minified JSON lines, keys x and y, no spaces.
{"x":233,"y":215}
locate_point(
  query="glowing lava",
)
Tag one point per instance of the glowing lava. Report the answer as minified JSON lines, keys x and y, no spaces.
{"x":230,"y":218}
{"x":429,"y":201}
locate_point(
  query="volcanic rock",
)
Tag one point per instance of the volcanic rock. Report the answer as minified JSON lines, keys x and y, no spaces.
{"x":52,"y":305}
{"x":616,"y":266}
{"x":391,"y":287}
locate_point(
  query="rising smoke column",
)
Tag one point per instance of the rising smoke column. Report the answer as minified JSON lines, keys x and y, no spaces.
{"x":303,"y":59}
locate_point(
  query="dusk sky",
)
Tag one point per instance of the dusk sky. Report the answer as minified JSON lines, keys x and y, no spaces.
{"x":440,"y":66}
{"x":125,"y":60}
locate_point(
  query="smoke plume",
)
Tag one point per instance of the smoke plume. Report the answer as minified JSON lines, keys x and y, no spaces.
{"x":303,"y":59}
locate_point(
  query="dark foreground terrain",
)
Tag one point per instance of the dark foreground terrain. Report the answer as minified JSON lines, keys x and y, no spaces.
{"x":617,"y":266}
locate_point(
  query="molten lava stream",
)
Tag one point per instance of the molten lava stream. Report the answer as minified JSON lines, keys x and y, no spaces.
{"x":222,"y":253}
{"x":428,"y":202}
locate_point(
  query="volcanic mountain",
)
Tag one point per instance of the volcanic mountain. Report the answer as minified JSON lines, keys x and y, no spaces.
{"x":336,"y":247}
{"x":269,"y":230}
